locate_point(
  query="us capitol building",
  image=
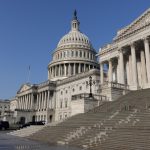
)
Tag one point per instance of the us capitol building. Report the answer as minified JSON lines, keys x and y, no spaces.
{"x":124,"y":65}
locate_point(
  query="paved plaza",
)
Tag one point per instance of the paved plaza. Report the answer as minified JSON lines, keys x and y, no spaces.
{"x":8,"y":142}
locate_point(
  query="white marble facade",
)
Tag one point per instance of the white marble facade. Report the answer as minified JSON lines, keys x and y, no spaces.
{"x":128,"y":56}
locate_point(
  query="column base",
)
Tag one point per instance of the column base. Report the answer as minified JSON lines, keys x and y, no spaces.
{"x":133,"y":87}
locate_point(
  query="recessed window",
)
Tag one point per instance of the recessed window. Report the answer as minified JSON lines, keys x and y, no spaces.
{"x":76,"y":53}
{"x":73,"y":89}
{"x":72,"y":53}
{"x":80,"y":88}
{"x":84,"y":54}
{"x":66,"y":104}
{"x":61,"y":104}
{"x":66,"y":91}
{"x":64,"y":54}
{"x":61,"y":92}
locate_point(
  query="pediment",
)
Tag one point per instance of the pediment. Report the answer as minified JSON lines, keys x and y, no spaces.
{"x":139,"y":23}
{"x":24,"y":87}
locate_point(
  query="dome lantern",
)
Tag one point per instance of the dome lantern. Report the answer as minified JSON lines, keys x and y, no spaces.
{"x":75,"y":23}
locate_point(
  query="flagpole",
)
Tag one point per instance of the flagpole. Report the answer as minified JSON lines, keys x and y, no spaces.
{"x":28,"y":75}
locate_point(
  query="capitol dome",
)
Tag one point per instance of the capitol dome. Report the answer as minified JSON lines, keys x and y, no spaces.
{"x":75,"y":37}
{"x":74,"y":54}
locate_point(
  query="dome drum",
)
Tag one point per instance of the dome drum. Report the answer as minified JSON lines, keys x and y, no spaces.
{"x":64,"y":70}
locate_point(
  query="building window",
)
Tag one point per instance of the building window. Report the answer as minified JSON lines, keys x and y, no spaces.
{"x":66,"y":91}
{"x":76,"y":53}
{"x":64,"y":54}
{"x":61,"y":104}
{"x":80,"y":88}
{"x":66,"y":104}
{"x":67,"y":53}
{"x":72,"y":53}
{"x":73,"y":89}
{"x":61,"y":92}
{"x":60,"y":117}
{"x":84,"y":54}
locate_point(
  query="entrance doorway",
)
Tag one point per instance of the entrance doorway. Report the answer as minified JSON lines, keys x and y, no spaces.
{"x":50,"y":118}
{"x":33,"y":119}
{"x":22,"y":120}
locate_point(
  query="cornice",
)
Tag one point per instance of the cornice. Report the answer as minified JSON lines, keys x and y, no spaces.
{"x":77,"y":77}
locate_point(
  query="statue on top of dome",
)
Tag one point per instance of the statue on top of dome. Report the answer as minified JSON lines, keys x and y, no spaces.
{"x":75,"y":15}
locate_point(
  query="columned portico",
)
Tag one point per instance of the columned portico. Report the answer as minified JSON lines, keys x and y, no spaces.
{"x":133,"y":66}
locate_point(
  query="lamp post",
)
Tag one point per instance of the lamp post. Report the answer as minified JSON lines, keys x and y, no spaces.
{"x":90,"y":83}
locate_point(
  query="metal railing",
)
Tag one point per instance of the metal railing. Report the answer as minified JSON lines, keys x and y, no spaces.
{"x":117,"y":85}
{"x":86,"y":96}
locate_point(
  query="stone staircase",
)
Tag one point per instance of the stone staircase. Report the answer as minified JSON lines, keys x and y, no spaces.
{"x":27,"y":131}
{"x":122,"y":124}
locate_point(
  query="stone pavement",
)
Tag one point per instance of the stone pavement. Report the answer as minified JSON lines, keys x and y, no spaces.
{"x":8,"y":142}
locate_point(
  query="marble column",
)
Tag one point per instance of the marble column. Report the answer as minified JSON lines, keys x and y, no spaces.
{"x":102,"y":73}
{"x":143,"y":67}
{"x":79,"y":71}
{"x":40,"y":99}
{"x":64,"y":69}
{"x":74,"y":69}
{"x":60,"y":71}
{"x":89,"y":67}
{"x":37,"y":102}
{"x":134,"y":65}
{"x":84,"y":67}
{"x":55,"y":71}
{"x":110,"y":71}
{"x":128,"y":72}
{"x":42,"y":105}
{"x":21,"y":105}
{"x":69,"y":70}
{"x":48,"y":100}
{"x":45,"y":100}
{"x":121,"y":67}
{"x":32,"y":100}
{"x":147,"y":55}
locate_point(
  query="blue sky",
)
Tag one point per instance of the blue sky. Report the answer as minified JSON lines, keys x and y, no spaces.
{"x":31,"y":29}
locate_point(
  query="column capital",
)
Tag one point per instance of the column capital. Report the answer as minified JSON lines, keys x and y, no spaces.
{"x":132,"y":43}
{"x":145,"y":39}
